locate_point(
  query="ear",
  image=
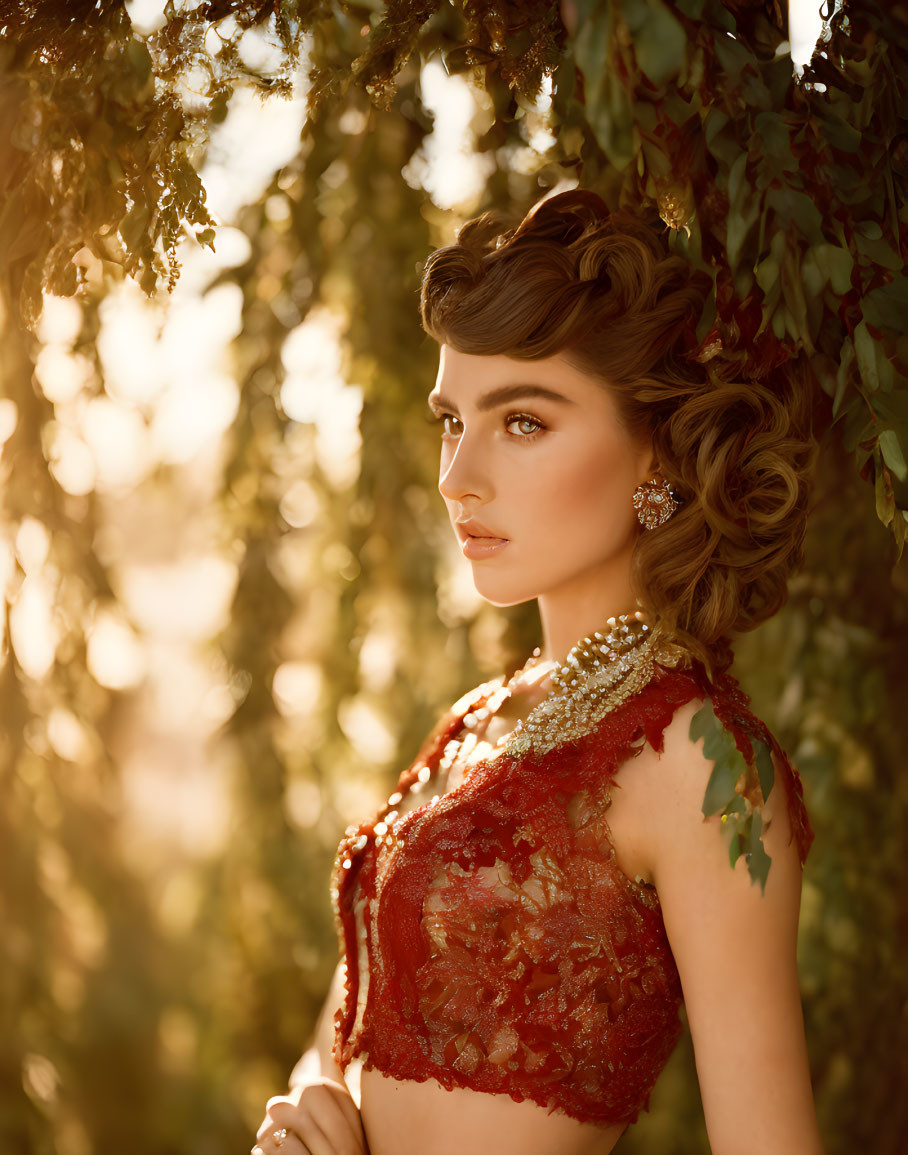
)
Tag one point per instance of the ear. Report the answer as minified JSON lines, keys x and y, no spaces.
{"x":648,"y":466}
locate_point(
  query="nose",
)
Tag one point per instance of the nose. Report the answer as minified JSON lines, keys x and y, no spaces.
{"x":464,"y":470}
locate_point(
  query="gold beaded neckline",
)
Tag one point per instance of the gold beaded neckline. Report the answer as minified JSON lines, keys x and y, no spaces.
{"x":603,"y":649}
{"x":600,"y":672}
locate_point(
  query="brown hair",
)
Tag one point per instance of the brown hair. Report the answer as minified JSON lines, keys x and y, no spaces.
{"x":602,"y":289}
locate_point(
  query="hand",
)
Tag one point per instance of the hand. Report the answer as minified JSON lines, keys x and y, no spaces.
{"x":320,"y":1118}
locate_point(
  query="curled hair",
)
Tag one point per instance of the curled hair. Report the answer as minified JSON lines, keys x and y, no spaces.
{"x":603,"y":290}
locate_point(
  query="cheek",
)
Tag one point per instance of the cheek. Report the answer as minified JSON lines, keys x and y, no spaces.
{"x":586,"y":490}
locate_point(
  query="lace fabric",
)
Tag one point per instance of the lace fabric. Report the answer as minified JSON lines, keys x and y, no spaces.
{"x":491,"y":941}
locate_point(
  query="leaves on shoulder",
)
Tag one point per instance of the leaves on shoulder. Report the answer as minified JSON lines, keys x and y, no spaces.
{"x":736,"y":790}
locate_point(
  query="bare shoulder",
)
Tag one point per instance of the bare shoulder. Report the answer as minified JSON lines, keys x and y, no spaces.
{"x":664,"y":795}
{"x":734,"y":942}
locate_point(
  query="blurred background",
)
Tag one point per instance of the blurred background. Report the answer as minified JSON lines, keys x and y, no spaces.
{"x":233,"y":606}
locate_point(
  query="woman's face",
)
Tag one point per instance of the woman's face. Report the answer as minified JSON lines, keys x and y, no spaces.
{"x":533,"y":453}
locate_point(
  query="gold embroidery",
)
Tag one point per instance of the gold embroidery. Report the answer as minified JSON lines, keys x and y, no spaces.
{"x":600,"y":673}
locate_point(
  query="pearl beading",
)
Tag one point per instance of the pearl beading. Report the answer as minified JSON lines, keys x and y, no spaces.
{"x":600,"y":671}
{"x":457,"y":748}
{"x":599,"y":651}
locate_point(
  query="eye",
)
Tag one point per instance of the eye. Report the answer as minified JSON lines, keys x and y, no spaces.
{"x":442,"y":419}
{"x":525,"y":419}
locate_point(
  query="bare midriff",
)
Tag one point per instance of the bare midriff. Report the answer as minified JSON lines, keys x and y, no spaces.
{"x":410,"y":1118}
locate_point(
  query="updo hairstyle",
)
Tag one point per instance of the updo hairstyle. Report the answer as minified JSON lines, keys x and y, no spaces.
{"x":602,"y":289}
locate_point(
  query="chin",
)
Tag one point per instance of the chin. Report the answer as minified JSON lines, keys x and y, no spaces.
{"x":498,"y":594}
{"x":501,"y":603}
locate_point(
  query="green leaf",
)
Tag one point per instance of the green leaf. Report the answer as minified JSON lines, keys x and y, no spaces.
{"x":743,"y":824}
{"x":609,"y":108}
{"x":758,"y":861}
{"x":892,"y":454}
{"x":899,"y":531}
{"x":767,"y":276}
{"x":660,"y":41}
{"x":843,"y":375}
{"x":887,"y":306}
{"x":836,"y":264}
{"x":713,"y":123}
{"x":721,"y":783}
{"x":865,"y":350}
{"x":702,"y":722}
{"x":719,"y":747}
{"x":791,"y":205}
{"x":735,"y":848}
{"x":737,"y":179}
{"x":839,"y":133}
{"x":775,"y":144}
{"x":737,"y":808}
{"x":880,"y":252}
{"x":765,"y":769}
{"x":733,"y":57}
{"x":882,"y":485}
{"x":892,"y":409}
{"x":692,"y":8}
{"x":740,"y":224}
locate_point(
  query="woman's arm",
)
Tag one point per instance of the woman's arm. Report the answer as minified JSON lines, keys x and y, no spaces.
{"x":735,"y":949}
{"x":318,"y":1059}
{"x":318,"y":1113}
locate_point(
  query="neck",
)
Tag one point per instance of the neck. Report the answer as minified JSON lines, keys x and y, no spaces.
{"x":571,"y":613}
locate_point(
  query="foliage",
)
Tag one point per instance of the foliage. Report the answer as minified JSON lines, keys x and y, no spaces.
{"x":792,"y":194}
{"x":104,"y":165}
{"x":124,"y":1030}
{"x":828,"y":674}
{"x":731,"y":791}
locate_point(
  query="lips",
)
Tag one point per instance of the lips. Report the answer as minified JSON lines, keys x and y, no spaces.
{"x":471,"y":528}
{"x":478,"y":541}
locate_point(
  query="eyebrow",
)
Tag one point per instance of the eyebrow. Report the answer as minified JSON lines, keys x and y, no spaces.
{"x":500,"y":396}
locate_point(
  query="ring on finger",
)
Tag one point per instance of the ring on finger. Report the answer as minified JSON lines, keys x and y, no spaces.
{"x":279,"y":1136}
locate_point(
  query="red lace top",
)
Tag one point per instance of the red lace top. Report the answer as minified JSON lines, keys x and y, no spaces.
{"x":490,"y":939}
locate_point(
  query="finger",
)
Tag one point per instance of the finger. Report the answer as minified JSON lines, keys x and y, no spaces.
{"x":343,"y":1101}
{"x":338,"y":1116}
{"x":323,"y":1117}
{"x":302,"y":1125}
{"x":306,"y":1130}
{"x":291,"y":1144}
{"x":276,"y":1108}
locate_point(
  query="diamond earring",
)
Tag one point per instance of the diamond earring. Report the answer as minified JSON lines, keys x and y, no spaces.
{"x":654,"y":502}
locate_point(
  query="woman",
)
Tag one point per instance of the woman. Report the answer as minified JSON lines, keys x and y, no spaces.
{"x":522,"y":920}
